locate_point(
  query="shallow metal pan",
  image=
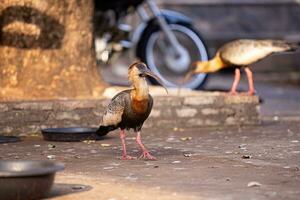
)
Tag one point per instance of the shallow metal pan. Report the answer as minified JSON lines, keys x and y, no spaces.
{"x":72,"y":134}
{"x":8,"y":139}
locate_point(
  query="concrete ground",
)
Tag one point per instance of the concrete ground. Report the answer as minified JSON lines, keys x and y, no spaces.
{"x":249,"y":162}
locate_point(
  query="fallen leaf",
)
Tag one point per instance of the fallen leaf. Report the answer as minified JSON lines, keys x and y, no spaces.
{"x":186,"y":138}
{"x":89,"y":141}
{"x":246,"y":156}
{"x":253,"y":184}
{"x":51,"y":156}
{"x":51,"y":146}
{"x":105,"y":145}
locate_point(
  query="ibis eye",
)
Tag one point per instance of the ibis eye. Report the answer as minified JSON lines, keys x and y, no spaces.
{"x":141,"y":75}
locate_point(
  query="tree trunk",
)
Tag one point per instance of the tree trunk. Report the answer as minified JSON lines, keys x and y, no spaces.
{"x":46,"y":50}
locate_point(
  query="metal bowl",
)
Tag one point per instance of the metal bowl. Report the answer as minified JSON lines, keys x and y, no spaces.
{"x":27,"y":180}
{"x":8,"y":139}
{"x":73,"y":134}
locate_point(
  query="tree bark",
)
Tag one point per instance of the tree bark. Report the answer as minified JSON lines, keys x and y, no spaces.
{"x":46,"y":50}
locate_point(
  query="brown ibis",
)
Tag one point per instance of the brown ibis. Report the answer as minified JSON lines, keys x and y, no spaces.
{"x":130,"y":108}
{"x":241,"y":54}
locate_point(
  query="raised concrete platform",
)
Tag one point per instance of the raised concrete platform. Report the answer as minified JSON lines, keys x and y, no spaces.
{"x":178,"y":109}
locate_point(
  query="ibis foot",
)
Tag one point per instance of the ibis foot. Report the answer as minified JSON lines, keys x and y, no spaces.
{"x":146,"y":155}
{"x":249,"y":93}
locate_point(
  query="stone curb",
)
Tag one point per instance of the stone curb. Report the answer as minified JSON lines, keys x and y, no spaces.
{"x":189,"y":109}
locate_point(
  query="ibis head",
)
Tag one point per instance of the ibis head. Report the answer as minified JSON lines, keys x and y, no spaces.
{"x":139,"y":71}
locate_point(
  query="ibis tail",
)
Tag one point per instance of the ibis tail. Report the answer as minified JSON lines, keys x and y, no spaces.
{"x":294,"y":46}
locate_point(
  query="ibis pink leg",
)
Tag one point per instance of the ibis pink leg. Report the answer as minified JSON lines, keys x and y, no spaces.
{"x":124,"y":153}
{"x":146,"y":154}
{"x":250,"y":81}
{"x":236,"y":81}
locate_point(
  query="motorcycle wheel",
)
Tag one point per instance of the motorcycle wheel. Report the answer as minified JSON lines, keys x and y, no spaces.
{"x":170,"y":70}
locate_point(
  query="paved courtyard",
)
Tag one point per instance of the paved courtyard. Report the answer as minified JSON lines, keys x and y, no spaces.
{"x":248,"y":162}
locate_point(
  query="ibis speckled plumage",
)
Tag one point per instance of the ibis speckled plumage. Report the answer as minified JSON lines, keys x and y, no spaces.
{"x":130,"y":108}
{"x":241,"y":53}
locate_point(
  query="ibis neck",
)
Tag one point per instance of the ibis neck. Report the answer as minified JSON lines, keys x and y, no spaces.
{"x":141,"y":89}
{"x":215,"y":64}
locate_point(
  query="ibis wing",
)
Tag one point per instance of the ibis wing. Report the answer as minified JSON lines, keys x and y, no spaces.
{"x":245,"y":52}
{"x":114,"y":111}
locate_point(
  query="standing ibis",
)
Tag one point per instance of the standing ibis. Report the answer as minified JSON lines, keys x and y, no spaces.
{"x":130,"y":108}
{"x":241,"y":53}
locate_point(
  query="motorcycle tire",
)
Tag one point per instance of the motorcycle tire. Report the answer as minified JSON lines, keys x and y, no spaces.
{"x":146,"y":47}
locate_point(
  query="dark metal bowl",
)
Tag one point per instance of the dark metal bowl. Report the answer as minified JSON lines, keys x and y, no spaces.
{"x":26,"y":179}
{"x":8,"y":139}
{"x":73,"y":134}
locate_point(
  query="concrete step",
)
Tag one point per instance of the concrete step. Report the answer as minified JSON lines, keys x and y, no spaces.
{"x":178,"y":110}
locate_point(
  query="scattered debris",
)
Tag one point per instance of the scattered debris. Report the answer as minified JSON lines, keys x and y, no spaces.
{"x":78,"y":187}
{"x":170,"y":139}
{"x":187,"y":155}
{"x":179,"y":168}
{"x":115,"y":164}
{"x":37,"y":145}
{"x":176,"y":161}
{"x":131,"y":178}
{"x":106,"y":168}
{"x":89,"y":141}
{"x":246,"y":156}
{"x":77,"y":156}
{"x":93,"y":151}
{"x":228,"y":179}
{"x":51,"y":146}
{"x":168,"y":147}
{"x":185,"y":138}
{"x":105,"y":145}
{"x":294,"y":141}
{"x":178,"y":129}
{"x":155,"y":166}
{"x":149,"y":164}
{"x":242,"y":146}
{"x":51,"y":157}
{"x":253,"y":184}
{"x":69,"y":150}
{"x":275,"y":118}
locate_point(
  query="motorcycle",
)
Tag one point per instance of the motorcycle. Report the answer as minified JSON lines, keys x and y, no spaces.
{"x":165,"y":40}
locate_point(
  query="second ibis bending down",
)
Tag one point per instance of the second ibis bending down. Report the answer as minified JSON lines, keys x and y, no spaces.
{"x":130,"y":108}
{"x":241,"y":53}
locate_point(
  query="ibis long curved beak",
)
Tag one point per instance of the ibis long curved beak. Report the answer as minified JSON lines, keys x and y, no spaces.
{"x":190,"y":73}
{"x":188,"y":76}
{"x":147,"y":72}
